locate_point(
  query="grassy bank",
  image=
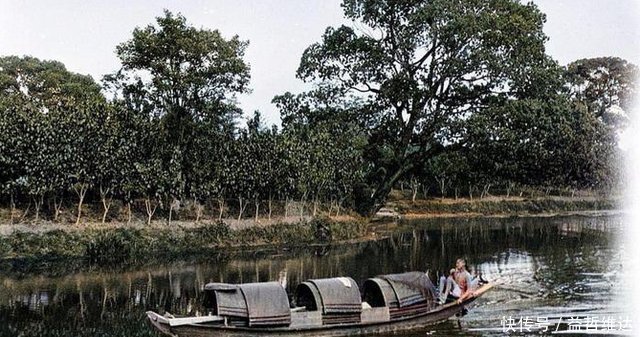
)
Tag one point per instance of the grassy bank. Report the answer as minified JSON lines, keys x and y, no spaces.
{"x":500,"y":206}
{"x":103,"y":245}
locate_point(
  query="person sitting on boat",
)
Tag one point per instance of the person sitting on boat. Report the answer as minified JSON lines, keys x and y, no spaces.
{"x":452,"y":290}
{"x":463,"y":279}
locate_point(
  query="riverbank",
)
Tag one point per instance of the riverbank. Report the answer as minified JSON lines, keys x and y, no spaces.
{"x":499,"y":206}
{"x":105,"y":244}
{"x":112,"y":242}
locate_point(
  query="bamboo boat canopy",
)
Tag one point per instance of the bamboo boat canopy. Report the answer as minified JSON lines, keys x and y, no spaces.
{"x":339,"y":295}
{"x":261,"y":304}
{"x":400,"y":290}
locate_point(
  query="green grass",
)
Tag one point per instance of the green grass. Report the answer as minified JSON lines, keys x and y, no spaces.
{"x":121,"y":244}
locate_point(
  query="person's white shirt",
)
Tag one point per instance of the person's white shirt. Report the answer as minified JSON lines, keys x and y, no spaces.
{"x":456,"y":291}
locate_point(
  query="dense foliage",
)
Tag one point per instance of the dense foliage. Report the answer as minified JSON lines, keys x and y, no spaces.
{"x":446,"y":97}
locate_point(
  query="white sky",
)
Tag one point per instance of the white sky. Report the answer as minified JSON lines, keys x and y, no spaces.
{"x":83,"y":34}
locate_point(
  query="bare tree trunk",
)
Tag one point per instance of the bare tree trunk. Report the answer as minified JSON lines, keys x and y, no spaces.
{"x":455,"y":192}
{"x":150,"y":210}
{"x":37,"y":201}
{"x":57,"y":208}
{"x":242,"y":207}
{"x":12,"y":204}
{"x":220,"y":208}
{"x":443,"y":186}
{"x":286,"y":207}
{"x":270,"y":206}
{"x":81,"y":191}
{"x":414,"y":188}
{"x":129,"y":214}
{"x":425,"y":191}
{"x":485,"y":191}
{"x":26,"y":211}
{"x":302,"y":202}
{"x":470,"y":191}
{"x":106,"y":202}
{"x":199,"y":208}
{"x":257,"y":203}
{"x":174,"y":204}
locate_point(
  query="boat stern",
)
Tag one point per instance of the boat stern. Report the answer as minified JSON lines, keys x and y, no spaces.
{"x":160,"y":323}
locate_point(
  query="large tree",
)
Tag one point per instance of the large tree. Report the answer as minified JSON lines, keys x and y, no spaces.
{"x":185,"y":76}
{"x":423,"y":67}
{"x":606,"y":85}
{"x":43,"y":113}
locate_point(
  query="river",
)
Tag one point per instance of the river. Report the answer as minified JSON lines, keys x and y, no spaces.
{"x":554,"y":271}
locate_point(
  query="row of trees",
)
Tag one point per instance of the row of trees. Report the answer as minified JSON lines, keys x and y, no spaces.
{"x":449,"y":95}
{"x":106,"y":151}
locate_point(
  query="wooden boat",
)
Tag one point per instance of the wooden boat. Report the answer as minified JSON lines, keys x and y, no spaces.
{"x":323,"y":307}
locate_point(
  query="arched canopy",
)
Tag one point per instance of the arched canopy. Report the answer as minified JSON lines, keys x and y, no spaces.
{"x":261,"y":304}
{"x":332,"y":295}
{"x":399,"y":290}
{"x":338,"y":299}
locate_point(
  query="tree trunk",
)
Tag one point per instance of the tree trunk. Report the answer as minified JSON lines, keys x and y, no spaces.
{"x":26,"y":211}
{"x":257,"y":203}
{"x":414,"y":188}
{"x":38,"y":201}
{"x":443,"y":186}
{"x":220,"y":208}
{"x":57,"y":208}
{"x":106,"y":202}
{"x":270,"y":206}
{"x":302,"y":202}
{"x":12,"y":205}
{"x":242,"y":207}
{"x":286,"y":207}
{"x":81,"y":191}
{"x":174,"y":204}
{"x":425,"y":191}
{"x":129,"y":215}
{"x":379,"y":196}
{"x":150,"y":210}
{"x":199,"y":209}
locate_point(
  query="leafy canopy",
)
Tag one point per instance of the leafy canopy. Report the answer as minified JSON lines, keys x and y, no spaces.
{"x":423,"y":67}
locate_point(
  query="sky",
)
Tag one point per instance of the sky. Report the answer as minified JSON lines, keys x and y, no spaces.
{"x":83,"y":34}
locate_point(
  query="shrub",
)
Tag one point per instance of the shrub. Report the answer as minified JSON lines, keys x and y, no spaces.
{"x":5,"y":247}
{"x":115,"y":245}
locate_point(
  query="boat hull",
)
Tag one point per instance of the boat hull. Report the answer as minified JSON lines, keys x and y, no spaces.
{"x":416,"y":322}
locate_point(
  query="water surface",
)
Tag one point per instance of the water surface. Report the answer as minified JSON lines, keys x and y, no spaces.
{"x":552,"y":269}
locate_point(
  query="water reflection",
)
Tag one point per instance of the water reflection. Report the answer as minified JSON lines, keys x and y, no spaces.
{"x":546,"y":264}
